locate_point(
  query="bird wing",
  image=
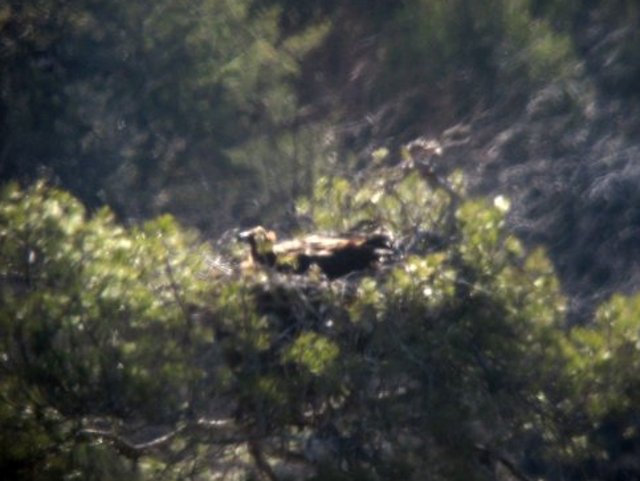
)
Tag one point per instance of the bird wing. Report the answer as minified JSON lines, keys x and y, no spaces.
{"x":316,"y":243}
{"x":288,"y":247}
{"x":313,"y":245}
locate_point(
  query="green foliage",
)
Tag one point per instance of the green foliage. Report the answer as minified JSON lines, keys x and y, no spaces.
{"x":456,"y":326}
{"x":544,"y":53}
{"x":221,"y":111}
{"x":601,"y":377}
{"x":316,"y":353}
{"x":146,"y":106}
{"x":389,"y":203}
{"x":107,"y":332}
{"x":84,"y":303}
{"x":458,"y":33}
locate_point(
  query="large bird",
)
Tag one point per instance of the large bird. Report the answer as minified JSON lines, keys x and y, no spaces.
{"x":335,"y":256}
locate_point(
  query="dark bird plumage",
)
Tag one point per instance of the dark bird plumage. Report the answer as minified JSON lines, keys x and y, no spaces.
{"x":335,"y":256}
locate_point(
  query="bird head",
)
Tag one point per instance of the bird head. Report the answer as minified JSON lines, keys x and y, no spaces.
{"x":260,"y":239}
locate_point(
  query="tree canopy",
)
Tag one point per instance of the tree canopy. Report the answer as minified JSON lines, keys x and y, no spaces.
{"x":495,"y":143}
{"x":124,"y":355}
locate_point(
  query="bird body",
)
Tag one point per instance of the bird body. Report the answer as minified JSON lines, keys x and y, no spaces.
{"x":335,"y":256}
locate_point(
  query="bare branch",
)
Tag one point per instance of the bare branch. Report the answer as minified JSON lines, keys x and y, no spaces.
{"x":124,"y":446}
{"x":501,"y":458}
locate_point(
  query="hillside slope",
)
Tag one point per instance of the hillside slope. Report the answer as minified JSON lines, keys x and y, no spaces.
{"x":552,"y":121}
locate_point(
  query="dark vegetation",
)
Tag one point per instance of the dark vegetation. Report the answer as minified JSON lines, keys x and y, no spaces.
{"x":498,"y":141}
